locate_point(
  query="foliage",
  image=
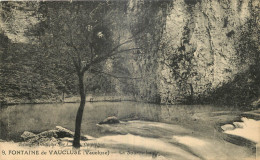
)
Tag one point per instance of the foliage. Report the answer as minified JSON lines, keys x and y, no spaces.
{"x":63,"y":34}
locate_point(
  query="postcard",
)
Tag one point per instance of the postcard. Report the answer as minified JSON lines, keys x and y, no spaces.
{"x":129,"y":80}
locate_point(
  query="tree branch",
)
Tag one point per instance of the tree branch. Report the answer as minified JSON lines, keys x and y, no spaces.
{"x":114,"y":76}
{"x":108,"y":55}
{"x":101,"y":59}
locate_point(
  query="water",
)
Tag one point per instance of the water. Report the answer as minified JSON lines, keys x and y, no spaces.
{"x":172,"y":131}
{"x":40,"y":117}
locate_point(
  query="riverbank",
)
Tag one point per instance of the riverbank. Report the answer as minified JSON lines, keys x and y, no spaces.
{"x":70,"y":99}
{"x":104,"y":98}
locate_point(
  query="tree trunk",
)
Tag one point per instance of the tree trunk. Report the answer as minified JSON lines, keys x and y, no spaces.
{"x":191,"y":94}
{"x":76,"y":141}
{"x":63,"y":96}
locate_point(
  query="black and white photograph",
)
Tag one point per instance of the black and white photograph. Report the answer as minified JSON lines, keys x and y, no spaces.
{"x":130,"y":80}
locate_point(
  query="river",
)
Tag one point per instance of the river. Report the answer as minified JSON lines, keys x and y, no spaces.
{"x":180,"y":131}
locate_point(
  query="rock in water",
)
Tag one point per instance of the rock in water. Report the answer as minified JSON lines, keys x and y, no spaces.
{"x":239,"y":124}
{"x":48,"y":141}
{"x":33,"y":140}
{"x":110,"y":120}
{"x":83,"y":138}
{"x":28,"y":135}
{"x":256,"y":103}
{"x":42,"y":141}
{"x":63,"y":132}
{"x":48,"y":138}
{"x":227,"y":127}
{"x":49,"y":134}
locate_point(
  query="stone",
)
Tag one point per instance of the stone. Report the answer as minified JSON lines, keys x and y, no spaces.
{"x":49,"y":134}
{"x":49,"y":138}
{"x":27,"y":135}
{"x":227,"y":127}
{"x":33,"y":140}
{"x":88,"y":137}
{"x":67,"y":139}
{"x":42,"y":141}
{"x":83,"y":138}
{"x":110,"y":120}
{"x":63,"y":132}
{"x":256,"y":103}
{"x":2,"y":140}
{"x":239,"y":124}
{"x":48,"y":141}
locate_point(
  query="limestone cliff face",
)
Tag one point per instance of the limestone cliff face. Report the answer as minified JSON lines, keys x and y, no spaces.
{"x":195,"y":47}
{"x":147,"y":20}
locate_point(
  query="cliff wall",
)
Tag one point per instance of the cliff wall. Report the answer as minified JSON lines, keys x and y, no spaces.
{"x":198,"y":51}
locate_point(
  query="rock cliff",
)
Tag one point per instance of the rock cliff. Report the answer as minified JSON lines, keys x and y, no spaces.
{"x":198,"y":50}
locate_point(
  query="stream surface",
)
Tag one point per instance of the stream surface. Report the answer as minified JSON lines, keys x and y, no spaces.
{"x":146,"y":130}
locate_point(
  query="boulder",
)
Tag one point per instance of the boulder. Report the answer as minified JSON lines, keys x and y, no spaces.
{"x":27,"y":135}
{"x":256,"y":103}
{"x":33,"y":140}
{"x":2,"y":140}
{"x":63,"y":132}
{"x":67,"y":139}
{"x":44,"y":141}
{"x":239,"y":124}
{"x":83,"y":138}
{"x":88,"y":137}
{"x":110,"y":120}
{"x":49,"y":134}
{"x":227,"y":127}
{"x":48,"y":138}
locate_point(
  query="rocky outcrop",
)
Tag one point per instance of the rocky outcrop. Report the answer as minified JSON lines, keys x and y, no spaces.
{"x":110,"y":120}
{"x":256,"y":103}
{"x":49,"y":134}
{"x":194,"y":50}
{"x":227,"y":127}
{"x":63,"y":132}
{"x":28,"y":135}
{"x":239,"y":124}
{"x":48,"y":138}
{"x":244,"y":133}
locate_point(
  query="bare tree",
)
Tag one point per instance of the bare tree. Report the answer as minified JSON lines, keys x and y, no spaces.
{"x":81,"y":36}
